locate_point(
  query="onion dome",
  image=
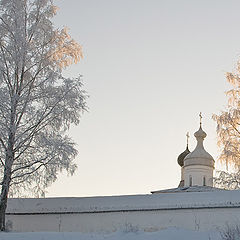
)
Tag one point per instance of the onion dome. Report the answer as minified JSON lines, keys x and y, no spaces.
{"x":199,"y":156}
{"x":200,"y":134}
{"x":182,"y":156}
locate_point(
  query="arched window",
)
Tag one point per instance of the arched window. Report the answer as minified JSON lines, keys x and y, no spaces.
{"x":204,"y":181}
{"x":190,"y":181}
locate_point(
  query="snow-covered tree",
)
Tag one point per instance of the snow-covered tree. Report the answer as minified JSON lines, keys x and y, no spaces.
{"x":226,"y":180}
{"x":228,"y":130}
{"x":228,"y":123}
{"x":37,"y":103}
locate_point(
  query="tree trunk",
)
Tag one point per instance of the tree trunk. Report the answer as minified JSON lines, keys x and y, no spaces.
{"x":6,"y":182}
{"x":4,"y":198}
{"x":8,"y":165}
{"x":7,"y":174}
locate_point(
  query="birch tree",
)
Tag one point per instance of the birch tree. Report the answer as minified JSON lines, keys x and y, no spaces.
{"x":37,"y":103}
{"x":226,"y":180}
{"x":228,"y":128}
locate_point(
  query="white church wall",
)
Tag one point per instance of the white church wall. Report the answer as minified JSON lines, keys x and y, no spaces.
{"x":197,"y":173}
{"x":194,"y":219}
{"x":190,"y":210}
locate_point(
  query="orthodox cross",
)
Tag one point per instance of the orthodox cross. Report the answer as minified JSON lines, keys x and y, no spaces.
{"x":187,"y":135}
{"x":200,"y":115}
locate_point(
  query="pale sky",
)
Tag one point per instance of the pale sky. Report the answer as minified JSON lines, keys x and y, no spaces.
{"x":150,"y":67}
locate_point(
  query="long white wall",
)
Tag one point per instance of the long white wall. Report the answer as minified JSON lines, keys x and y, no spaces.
{"x":196,"y":211}
{"x":195,"y":219}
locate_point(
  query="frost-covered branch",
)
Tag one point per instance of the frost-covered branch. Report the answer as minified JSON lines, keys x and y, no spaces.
{"x":230,"y":181}
{"x":1,"y":161}
{"x":2,"y":143}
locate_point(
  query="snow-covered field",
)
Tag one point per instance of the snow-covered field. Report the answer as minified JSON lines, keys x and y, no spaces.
{"x":167,"y":234}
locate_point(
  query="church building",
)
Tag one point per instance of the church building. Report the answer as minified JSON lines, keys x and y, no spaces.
{"x":196,"y":167}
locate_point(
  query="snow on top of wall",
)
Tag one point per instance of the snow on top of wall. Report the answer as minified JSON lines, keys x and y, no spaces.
{"x":125,"y":202}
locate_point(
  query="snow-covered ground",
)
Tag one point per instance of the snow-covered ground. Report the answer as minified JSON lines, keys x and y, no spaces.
{"x":167,"y":234}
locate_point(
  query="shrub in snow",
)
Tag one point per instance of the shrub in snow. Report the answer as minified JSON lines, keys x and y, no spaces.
{"x":231,"y":233}
{"x":129,"y":228}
